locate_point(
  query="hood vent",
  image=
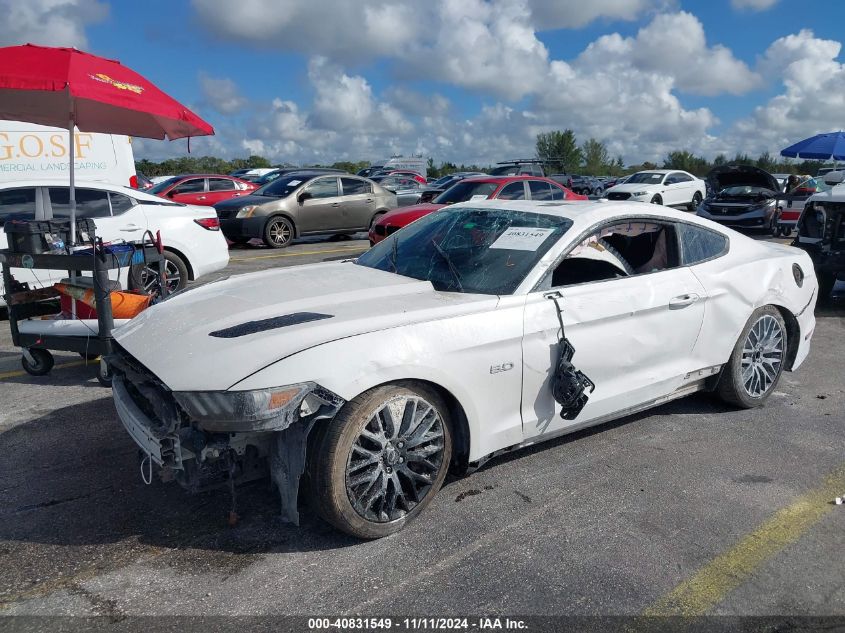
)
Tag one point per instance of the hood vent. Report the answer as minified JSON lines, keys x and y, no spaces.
{"x":253,"y":327}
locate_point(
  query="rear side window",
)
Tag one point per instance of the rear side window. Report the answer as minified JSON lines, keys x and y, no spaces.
{"x":15,"y":201}
{"x":513,"y":191}
{"x":120,"y":203}
{"x":90,"y":203}
{"x":352,"y":186}
{"x":221,"y":184}
{"x":699,"y":244}
{"x":540,"y":190}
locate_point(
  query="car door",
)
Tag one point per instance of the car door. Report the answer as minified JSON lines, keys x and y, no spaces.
{"x":633,"y":332}
{"x":189,"y":191}
{"x":670,"y":189}
{"x":219,"y":189}
{"x":686,"y":187}
{"x":319,"y":206}
{"x":358,"y":203}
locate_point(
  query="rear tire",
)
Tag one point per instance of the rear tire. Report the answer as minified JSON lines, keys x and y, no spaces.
{"x":757,"y":360}
{"x":141,"y":278}
{"x":379,"y":462}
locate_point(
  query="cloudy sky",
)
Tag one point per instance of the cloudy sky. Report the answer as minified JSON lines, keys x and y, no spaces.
{"x":468,"y":81}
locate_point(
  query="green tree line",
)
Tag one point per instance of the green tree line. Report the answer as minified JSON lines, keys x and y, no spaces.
{"x":559,"y":151}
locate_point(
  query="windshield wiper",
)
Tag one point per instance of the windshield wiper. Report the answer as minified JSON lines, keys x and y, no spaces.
{"x":449,"y":263}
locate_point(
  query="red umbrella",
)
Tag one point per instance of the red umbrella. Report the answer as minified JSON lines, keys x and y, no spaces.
{"x":64,"y":87}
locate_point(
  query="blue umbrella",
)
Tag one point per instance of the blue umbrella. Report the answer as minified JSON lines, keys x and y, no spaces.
{"x":821,"y":146}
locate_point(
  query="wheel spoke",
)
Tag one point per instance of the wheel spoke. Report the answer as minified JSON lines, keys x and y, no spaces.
{"x":395,"y":460}
{"x":762,"y":356}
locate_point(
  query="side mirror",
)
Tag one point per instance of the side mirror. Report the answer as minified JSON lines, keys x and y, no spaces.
{"x":834,"y":177}
{"x":302,"y":197}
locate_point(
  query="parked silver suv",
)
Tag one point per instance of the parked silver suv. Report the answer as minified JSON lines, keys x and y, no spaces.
{"x":304,"y":203}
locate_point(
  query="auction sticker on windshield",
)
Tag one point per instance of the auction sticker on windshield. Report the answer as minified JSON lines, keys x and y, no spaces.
{"x":518,"y":238}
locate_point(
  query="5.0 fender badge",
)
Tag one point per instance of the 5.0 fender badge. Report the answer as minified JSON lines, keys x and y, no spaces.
{"x":497,"y":369}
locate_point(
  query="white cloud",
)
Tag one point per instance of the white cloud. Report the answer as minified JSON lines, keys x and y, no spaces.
{"x":675,"y":46}
{"x":221,"y":94}
{"x":340,"y":30}
{"x":753,"y":5}
{"x":813,"y":99}
{"x":49,"y":22}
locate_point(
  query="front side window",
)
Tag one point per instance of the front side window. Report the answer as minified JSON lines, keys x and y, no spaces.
{"x":194,"y":185}
{"x":513,"y":191}
{"x":17,"y":202}
{"x":465,"y":190}
{"x":622,"y":249}
{"x":699,"y":244}
{"x":484,"y":251}
{"x":323,"y":188}
{"x":90,"y":203}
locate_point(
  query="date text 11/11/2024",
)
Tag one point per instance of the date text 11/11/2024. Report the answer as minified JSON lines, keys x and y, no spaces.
{"x":416,"y":624}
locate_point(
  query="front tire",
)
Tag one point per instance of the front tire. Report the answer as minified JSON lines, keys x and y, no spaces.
{"x":657,"y":200}
{"x":278,"y":232}
{"x":757,"y":361}
{"x":381,"y":460}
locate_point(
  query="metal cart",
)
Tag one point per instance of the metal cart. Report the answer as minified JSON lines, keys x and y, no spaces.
{"x":90,"y":343}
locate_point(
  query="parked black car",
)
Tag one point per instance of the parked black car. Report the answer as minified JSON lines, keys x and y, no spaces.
{"x":741,"y":196}
{"x":821,"y":232}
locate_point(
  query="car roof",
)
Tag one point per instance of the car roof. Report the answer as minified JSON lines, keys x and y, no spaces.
{"x":86,"y":184}
{"x":504,"y":179}
{"x":585,"y":213}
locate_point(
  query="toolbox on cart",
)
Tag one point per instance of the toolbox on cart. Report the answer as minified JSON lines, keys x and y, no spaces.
{"x":35,"y":237}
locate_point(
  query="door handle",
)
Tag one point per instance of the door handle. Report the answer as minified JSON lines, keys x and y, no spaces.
{"x":129,"y":228}
{"x":236,"y":195}
{"x":682,"y":301}
{"x":335,"y":204}
{"x":200,"y":197}
{"x":369,"y":199}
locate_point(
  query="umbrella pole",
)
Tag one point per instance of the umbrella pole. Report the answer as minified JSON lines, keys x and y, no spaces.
{"x":72,"y":189}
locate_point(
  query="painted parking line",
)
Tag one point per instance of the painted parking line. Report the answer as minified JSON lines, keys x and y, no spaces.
{"x":20,"y":372}
{"x":348,"y":249}
{"x":712,"y":583}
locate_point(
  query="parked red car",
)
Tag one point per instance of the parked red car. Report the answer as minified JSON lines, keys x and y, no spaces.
{"x":202,"y":189}
{"x":476,"y":187}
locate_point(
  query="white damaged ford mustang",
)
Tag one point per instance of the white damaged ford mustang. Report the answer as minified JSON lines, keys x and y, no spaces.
{"x":480,"y":328}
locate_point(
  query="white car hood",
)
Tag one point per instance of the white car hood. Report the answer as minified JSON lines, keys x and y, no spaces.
{"x":631,"y":188}
{"x":173,"y":339}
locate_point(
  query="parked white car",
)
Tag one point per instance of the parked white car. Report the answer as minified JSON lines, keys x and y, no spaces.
{"x":670,"y":187}
{"x":191,"y":235}
{"x":480,"y":328}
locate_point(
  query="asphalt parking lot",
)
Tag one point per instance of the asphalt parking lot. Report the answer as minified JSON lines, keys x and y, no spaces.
{"x":691,"y":508}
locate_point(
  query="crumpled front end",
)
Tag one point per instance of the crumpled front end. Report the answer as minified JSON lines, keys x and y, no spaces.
{"x":205,"y":440}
